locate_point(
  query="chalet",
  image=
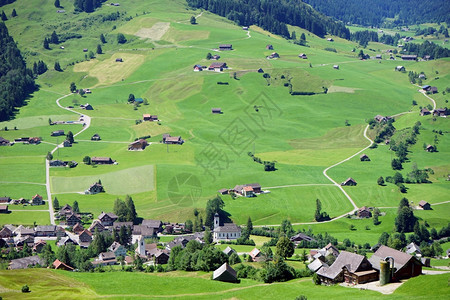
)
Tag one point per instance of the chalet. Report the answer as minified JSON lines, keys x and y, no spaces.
{"x":424,"y":112}
{"x":336,"y":67}
{"x":316,"y":265}
{"x":59,"y":265}
{"x":273,"y":55}
{"x":422,"y":76}
{"x":57,"y":133}
{"x":117,"y":249}
{"x":102,"y":160}
{"x":349,"y":182}
{"x":24,"y":240}
{"x":85,"y":238}
{"x":161,"y":257}
{"x":300,"y":237}
{"x":167,"y":139}
{"x":228,"y":251}
{"x":118,"y":225}
{"x":72,"y":219}
{"x":215,"y":57}
{"x":96,"y":226}
{"x":378,"y":56}
{"x":38,"y":246}
{"x":146,"y":232}
{"x":269,"y":47}
{"x":95,"y":137}
{"x":5,"y":233}
{"x":4,"y":209}
{"x":409,"y":57}
{"x":5,"y":200}
{"x":405,"y":265}
{"x":57,"y":163}
{"x":4,"y":142}
{"x":66,"y":210}
{"x":413,"y":249}
{"x":303,"y":56}
{"x":61,"y":11}
{"x":245,"y":28}
{"x":37,"y":200}
{"x":256,"y":255}
{"x":427,"y":57}
{"x":330,"y":40}
{"x":216,"y":110}
{"x":364,"y":212}
{"x":198,"y":68}
{"x":248,"y":190}
{"x":400,"y":69}
{"x":364,"y":157}
{"x":149,"y":117}
{"x":430,"y":148}
{"x":218,"y":66}
{"x":23,"y":231}
{"x":85,"y":50}
{"x":380,"y":118}
{"x":426,"y":88}
{"x":424,"y":205}
{"x":155,"y":224}
{"x":349,"y":267}
{"x":107,"y":219}
{"x":67,"y":143}
{"x":24,"y":263}
{"x":225,"y":47}
{"x":260,"y":70}
{"x":78,"y":228}
{"x":440,"y":112}
{"x":105,"y":259}
{"x":227,"y":231}
{"x":66,"y":241}
{"x":434,"y":90}
{"x":329,"y":249}
{"x":87,"y":91}
{"x":86,"y":106}
{"x":45,"y":230}
{"x":119,"y":59}
{"x":138,"y":145}
{"x":225,"y":273}
{"x":223,"y":191}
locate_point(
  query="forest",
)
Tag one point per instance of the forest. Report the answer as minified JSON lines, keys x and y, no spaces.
{"x":16,"y":81}
{"x":375,"y":12}
{"x":87,"y":5}
{"x":274,"y":15}
{"x":4,"y":2}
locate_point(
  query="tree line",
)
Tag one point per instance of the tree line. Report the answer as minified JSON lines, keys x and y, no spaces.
{"x":375,"y":12}
{"x":16,"y":81}
{"x":4,"y":2}
{"x":274,"y":16}
{"x":87,"y":5}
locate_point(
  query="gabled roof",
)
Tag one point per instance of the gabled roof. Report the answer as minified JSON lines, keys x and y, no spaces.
{"x":400,"y":258}
{"x":152,"y":223}
{"x":228,"y":227}
{"x":228,"y":250}
{"x":57,"y":264}
{"x":254,"y":253}
{"x":225,"y":273}
{"x":351,"y":261}
{"x":316,"y":265}
{"x":23,"y":263}
{"x":423,"y":203}
{"x":111,"y":215}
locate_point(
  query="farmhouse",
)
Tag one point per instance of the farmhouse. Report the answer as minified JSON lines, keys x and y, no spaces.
{"x":440,"y":112}
{"x":434,"y":90}
{"x":316,"y":265}
{"x":95,"y":189}
{"x":413,"y":249}
{"x":85,"y":238}
{"x":273,"y":55}
{"x":105,"y":259}
{"x":45,"y":230}
{"x":424,"y":205}
{"x":422,"y":76}
{"x":86,"y":106}
{"x":256,"y":255}
{"x":66,"y":210}
{"x":424,"y":112}
{"x":78,"y":228}
{"x":400,"y":68}
{"x":24,"y":263}
{"x":298,"y":238}
{"x":117,"y":249}
{"x":269,"y":47}
{"x":349,"y":182}
{"x":38,"y":246}
{"x":59,"y":265}
{"x":167,"y":139}
{"x":102,"y":160}
{"x":4,"y":209}
{"x":349,"y":267}
{"x":5,"y":233}
{"x":4,"y":142}
{"x":149,"y":117}
{"x":96,"y":226}
{"x":430,"y":148}
{"x":330,"y":40}
{"x":225,"y":47}
{"x":5,"y":200}
{"x":154,"y":224}
{"x":119,"y":59}
{"x":248,"y":190}
{"x":37,"y":200}
{"x":57,"y":133}
{"x":214,"y":57}
{"x":223,"y":191}
{"x":107,"y":219}
{"x":216,"y":110}
{"x":303,"y":56}
{"x":95,"y":137}
{"x":329,"y":249}
{"x":378,"y":56}
{"x":409,"y":57}
{"x":364,"y":212}
{"x":405,"y":265}
{"x":228,"y":251}
{"x":218,"y":66}
{"x":364,"y":157}
{"x":336,"y":67}
{"x":72,"y":219}
{"x":198,"y":68}
{"x":138,"y":145}
{"x":67,"y":143}
{"x":146,"y":232}
{"x":66,"y":241}
{"x":380,"y":118}
{"x":225,"y":273}
{"x":227,"y":231}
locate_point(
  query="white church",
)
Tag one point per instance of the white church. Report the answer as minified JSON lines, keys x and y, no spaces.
{"x":225,"y":232}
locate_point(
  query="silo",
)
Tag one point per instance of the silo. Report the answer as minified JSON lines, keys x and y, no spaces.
{"x":385,"y":274}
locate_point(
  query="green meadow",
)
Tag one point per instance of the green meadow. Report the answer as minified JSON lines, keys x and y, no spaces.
{"x":304,"y":135}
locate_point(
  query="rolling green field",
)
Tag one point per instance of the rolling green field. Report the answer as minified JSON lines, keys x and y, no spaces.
{"x":303,"y":134}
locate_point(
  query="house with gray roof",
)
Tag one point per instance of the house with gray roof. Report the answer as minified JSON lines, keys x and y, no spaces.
{"x":23,"y":263}
{"x":225,"y":273}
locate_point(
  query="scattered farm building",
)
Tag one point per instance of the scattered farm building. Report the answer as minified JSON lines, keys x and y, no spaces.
{"x":298,"y":238}
{"x":85,"y":50}
{"x":330,"y":40}
{"x":269,"y":47}
{"x":400,"y":69}
{"x":216,"y":110}
{"x":66,"y":210}
{"x":349,"y":182}
{"x":102,"y":160}
{"x":218,"y":66}
{"x":223,"y":191}
{"x":4,"y":209}
{"x":228,"y":251}
{"x":248,"y":190}
{"x":441,"y":112}
{"x":24,"y":263}
{"x":57,"y":133}
{"x":86,"y":106}
{"x":37,"y":200}
{"x":119,"y":59}
{"x":413,"y":249}
{"x":5,"y":200}
{"x":364,"y":212}
{"x":225,"y":47}
{"x":409,"y":57}
{"x":424,"y":112}
{"x":138,"y":145}
{"x":59,"y":265}
{"x":95,"y":137}
{"x":303,"y":56}
{"x":96,"y":226}
{"x":424,"y":205}
{"x":4,"y":142}
{"x":256,"y":255}
{"x":107,"y":219}
{"x":260,"y":70}
{"x":336,"y":67}
{"x":430,"y":148}
{"x":172,"y":140}
{"x":364,"y":157}
{"x":245,"y":28}
{"x":149,"y":117}
{"x":198,"y":68}
{"x":380,"y":118}
{"x":67,"y":143}
{"x":378,"y":56}
{"x":215,"y":57}
{"x":95,"y":189}
{"x":225,"y":273}
{"x":273,"y":55}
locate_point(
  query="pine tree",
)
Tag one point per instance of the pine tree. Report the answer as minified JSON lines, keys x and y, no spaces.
{"x":75,"y":207}
{"x":56,"y":204}
{"x":69,"y":137}
{"x":193,"y":20}
{"x":131,"y":214}
{"x":49,"y":156}
{"x":57,"y":67}
{"x":46,"y":44}
{"x":121,"y":38}
{"x":54,"y":38}
{"x":4,"y":18}
{"x":14,"y":13}
{"x":57,"y":4}
{"x":303,"y":37}
{"x":73,"y":87}
{"x":102,"y":38}
{"x":99,"y":49}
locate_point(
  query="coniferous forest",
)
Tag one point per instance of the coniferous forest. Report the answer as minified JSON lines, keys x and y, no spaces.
{"x":274,"y":15}
{"x":87,"y":5}
{"x":4,"y":2}
{"x":16,"y":81}
{"x":375,"y":12}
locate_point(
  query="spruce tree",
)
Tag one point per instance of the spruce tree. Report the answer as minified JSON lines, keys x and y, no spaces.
{"x":57,"y":67}
{"x":46,"y":44}
{"x":14,"y":13}
{"x":54,"y":38}
{"x":99,"y":49}
{"x":57,"y":4}
{"x":4,"y":18}
{"x":75,"y":207}
{"x":56,"y":204}
{"x":102,"y":38}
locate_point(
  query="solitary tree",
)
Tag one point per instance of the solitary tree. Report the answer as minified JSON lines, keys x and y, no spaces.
{"x":49,"y":156}
{"x":99,"y":49}
{"x":121,"y":38}
{"x":73,"y":87}
{"x":193,"y":20}
{"x":57,"y":66}
{"x":75,"y":207}
{"x":87,"y":160}
{"x":208,"y":56}
{"x":57,"y":4}
{"x":102,"y":38}
{"x":14,"y":13}
{"x":380,"y":181}
{"x":4,"y":18}
{"x":55,"y":204}
{"x":46,"y":44}
{"x":69,"y":137}
{"x":131,"y":98}
{"x":285,"y":248}
{"x":54,"y":38}
{"x":303,"y":37}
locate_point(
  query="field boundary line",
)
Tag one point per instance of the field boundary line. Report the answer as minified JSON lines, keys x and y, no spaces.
{"x":21,"y":182}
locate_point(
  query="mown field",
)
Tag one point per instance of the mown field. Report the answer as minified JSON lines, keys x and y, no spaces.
{"x":303,"y":134}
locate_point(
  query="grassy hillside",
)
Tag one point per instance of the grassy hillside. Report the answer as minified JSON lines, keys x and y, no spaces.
{"x":303,"y":134}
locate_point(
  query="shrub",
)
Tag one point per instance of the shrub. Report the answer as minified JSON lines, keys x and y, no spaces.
{"x":25,"y":289}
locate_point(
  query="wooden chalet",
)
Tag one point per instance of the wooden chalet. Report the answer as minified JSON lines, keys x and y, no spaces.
{"x":95,"y":137}
{"x":138,"y":145}
{"x":107,"y":219}
{"x":95,"y":189}
{"x":102,"y":160}
{"x":349,"y":182}
{"x":303,"y":56}
{"x":59,"y":265}
{"x":167,"y":139}
{"x":4,"y":142}
{"x":217,"y":66}
{"x":57,"y":133}
{"x":37,"y":200}
{"x":424,"y":112}
{"x":409,"y":57}
{"x":4,"y":209}
{"x":269,"y":47}
{"x":72,"y":219}
{"x":424,"y":205}
{"x":216,"y":110}
{"x":225,"y":47}
{"x":364,"y":212}
{"x":225,"y":273}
